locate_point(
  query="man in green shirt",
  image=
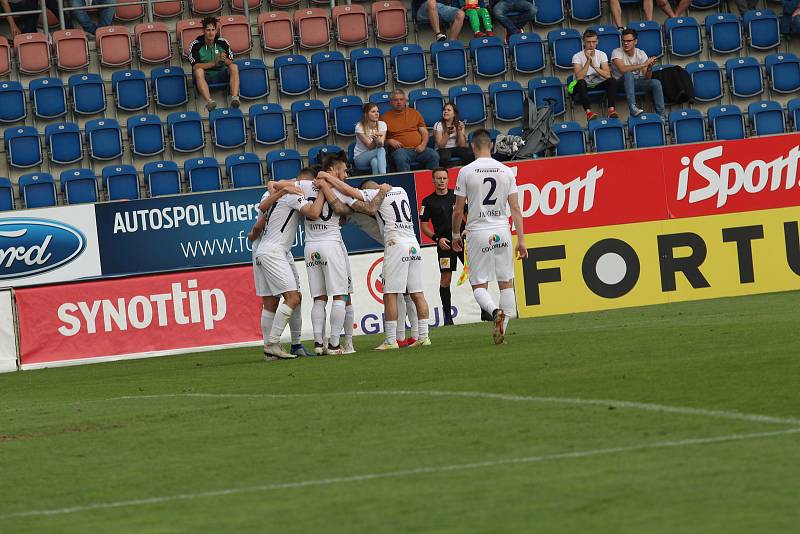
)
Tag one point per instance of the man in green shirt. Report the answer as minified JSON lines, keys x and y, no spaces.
{"x":212,"y":62}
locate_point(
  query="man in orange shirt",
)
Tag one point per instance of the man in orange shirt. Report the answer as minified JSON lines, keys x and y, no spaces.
{"x":407,"y":136}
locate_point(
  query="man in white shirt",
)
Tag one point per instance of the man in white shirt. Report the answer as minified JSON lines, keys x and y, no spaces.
{"x":591,"y":71}
{"x":636,"y":70}
{"x":490,"y":190}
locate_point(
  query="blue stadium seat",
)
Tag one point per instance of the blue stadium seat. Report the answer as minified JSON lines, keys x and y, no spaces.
{"x":704,"y":4}
{"x":169,"y":86}
{"x":65,"y":142}
{"x":527,"y":52}
{"x":766,"y":117}
{"x":687,"y":126}
{"x":79,"y":186}
{"x":228,"y":127}
{"x":449,"y":60}
{"x":104,"y":139}
{"x":244,"y":170}
{"x":607,"y":134}
{"x":49,"y":97}
{"x":646,"y":130}
{"x":429,"y":103}
{"x":22,"y":146}
{"x":724,"y":32}
{"x":508,"y":99}
{"x":146,"y":135}
{"x":408,"y":64}
{"x":583,"y":10}
{"x":330,"y":70}
{"x":383,"y":99}
{"x":253,"y":78}
{"x":793,"y":111}
{"x":761,"y":29}
{"x":121,"y":182}
{"x":540,"y":90}
{"x":284,"y":164}
{"x":88,"y":93}
{"x":268,"y":124}
{"x":369,"y":67}
{"x":571,"y":138}
{"x":202,"y":174}
{"x":38,"y":190}
{"x":783,"y":72}
{"x":186,"y":131}
{"x":310,"y":120}
{"x":6,"y":194}
{"x":549,"y":12}
{"x":320,"y":151}
{"x":744,"y":76}
{"x":564,"y":43}
{"x":683,"y":35}
{"x":13,"y":97}
{"x":345,"y":112}
{"x":650,"y":37}
{"x":130,"y":90}
{"x":608,"y":38}
{"x":706,"y":79}
{"x":470,"y":103}
{"x":726,"y":122}
{"x":292,"y":74}
{"x":488,"y":56}
{"x":162,"y":178}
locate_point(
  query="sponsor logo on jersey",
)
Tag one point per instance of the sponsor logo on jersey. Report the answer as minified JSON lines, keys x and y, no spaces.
{"x":35,"y":246}
{"x":495,"y":242}
{"x":315,"y":260}
{"x":494,"y":238}
{"x":413,"y":254}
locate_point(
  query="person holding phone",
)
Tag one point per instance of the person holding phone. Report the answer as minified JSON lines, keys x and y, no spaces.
{"x":451,"y":138}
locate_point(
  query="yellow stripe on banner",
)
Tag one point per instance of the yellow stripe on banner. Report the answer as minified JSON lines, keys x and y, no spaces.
{"x":657,"y":262}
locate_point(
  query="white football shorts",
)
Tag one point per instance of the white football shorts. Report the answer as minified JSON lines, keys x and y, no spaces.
{"x":277,"y":272}
{"x":328,"y":268}
{"x":402,"y":267}
{"x":490,"y":255}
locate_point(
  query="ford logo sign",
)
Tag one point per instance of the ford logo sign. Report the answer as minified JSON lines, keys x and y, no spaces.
{"x":35,"y":246}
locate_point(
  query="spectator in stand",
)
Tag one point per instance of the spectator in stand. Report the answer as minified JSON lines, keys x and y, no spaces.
{"x":407,"y":136}
{"x":525,"y":11}
{"x":211,"y":58}
{"x":29,"y":23}
{"x":105,"y":16}
{"x":477,"y":13}
{"x":636,"y":70}
{"x":790,"y":17}
{"x":591,"y":70}
{"x":647,"y":6}
{"x":437,"y":13}
{"x":451,"y":138}
{"x":369,"y":153}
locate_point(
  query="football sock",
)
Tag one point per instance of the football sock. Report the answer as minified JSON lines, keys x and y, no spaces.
{"x":282,"y":315}
{"x":423,"y":329}
{"x":318,"y":320}
{"x":411,"y":312}
{"x":401,"y":318}
{"x":337,"y":320}
{"x":444,"y":294}
{"x":349,"y":320}
{"x":390,"y":328}
{"x":296,"y":325}
{"x":266,"y":323}
{"x":484,"y":299}
{"x":508,"y":303}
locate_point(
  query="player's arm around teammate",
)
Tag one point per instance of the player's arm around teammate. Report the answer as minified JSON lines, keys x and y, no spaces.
{"x":361,"y":206}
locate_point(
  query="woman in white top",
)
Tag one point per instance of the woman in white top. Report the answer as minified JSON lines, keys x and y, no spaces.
{"x":369,"y":153}
{"x":451,"y":138}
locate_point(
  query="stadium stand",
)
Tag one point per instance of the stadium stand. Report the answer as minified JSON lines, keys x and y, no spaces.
{"x":162,"y":178}
{"x":79,"y":186}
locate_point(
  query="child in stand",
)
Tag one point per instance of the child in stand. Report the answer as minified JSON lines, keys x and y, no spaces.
{"x":476,"y":12}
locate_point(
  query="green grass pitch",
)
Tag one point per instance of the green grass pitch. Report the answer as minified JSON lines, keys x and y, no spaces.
{"x":695,"y":428}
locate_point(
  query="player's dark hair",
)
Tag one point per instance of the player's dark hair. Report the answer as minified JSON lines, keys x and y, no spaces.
{"x":308,"y":170}
{"x":482,"y":138}
{"x":630,"y":31}
{"x":438,"y":169}
{"x":209,"y":20}
{"x":366,"y":182}
{"x":332,"y":159}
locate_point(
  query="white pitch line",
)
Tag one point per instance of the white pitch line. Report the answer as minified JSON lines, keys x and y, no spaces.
{"x":398,"y":474}
{"x":719,"y":414}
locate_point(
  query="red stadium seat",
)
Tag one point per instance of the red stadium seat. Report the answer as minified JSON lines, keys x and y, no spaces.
{"x":187,"y":31}
{"x":236,"y":30}
{"x":350,"y":23}
{"x":167,"y":10}
{"x":128,"y":13}
{"x":206,"y":7}
{"x":153,"y":42}
{"x":277,"y":31}
{"x":5,"y":56}
{"x":71,"y":49}
{"x":114,"y":46}
{"x":313,"y":27}
{"x":253,"y":5}
{"x":390,"y":20}
{"x":33,"y":52}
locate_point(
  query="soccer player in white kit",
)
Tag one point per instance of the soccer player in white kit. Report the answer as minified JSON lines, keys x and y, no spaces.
{"x":489,"y":188}
{"x":402,"y":258}
{"x":273,"y":259}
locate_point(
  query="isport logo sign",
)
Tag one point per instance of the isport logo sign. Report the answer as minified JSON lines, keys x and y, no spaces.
{"x":35,"y":246}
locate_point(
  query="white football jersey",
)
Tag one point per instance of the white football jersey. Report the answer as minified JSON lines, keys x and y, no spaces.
{"x":368,"y":224}
{"x":486,"y":183}
{"x":326,"y":227}
{"x":282,"y":220}
{"x":394,"y":215}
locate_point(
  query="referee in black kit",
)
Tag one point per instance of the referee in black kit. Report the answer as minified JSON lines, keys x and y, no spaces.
{"x":438,"y":209}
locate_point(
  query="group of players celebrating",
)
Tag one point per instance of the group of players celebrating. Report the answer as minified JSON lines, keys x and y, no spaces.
{"x":321,"y":196}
